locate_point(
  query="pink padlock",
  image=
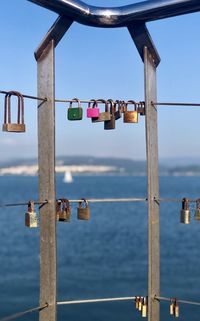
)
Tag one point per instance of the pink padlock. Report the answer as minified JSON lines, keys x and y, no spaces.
{"x":93,"y":112}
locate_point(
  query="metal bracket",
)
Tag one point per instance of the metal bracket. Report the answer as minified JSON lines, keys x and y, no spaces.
{"x":55,"y":33}
{"x":142,"y":38}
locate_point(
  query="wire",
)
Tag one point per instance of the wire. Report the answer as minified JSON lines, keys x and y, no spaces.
{"x":25,"y":96}
{"x":160,"y":298}
{"x":175,"y":104}
{"x":96,"y":300}
{"x":20,"y":314}
{"x":22,"y":204}
{"x":103,"y":200}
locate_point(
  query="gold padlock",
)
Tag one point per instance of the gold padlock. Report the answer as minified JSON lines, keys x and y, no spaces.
{"x":140,"y":304}
{"x":131,"y":116}
{"x":65,"y":214}
{"x":197,"y":210}
{"x":144,"y":307}
{"x":18,"y":127}
{"x":103,"y":116}
{"x":137,"y":302}
{"x":185,"y":212}
{"x":30,"y":216}
{"x":171,"y":307}
{"x":83,"y":213}
{"x":58,"y":209}
{"x":176,"y":309}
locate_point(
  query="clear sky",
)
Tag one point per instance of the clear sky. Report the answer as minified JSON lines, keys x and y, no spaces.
{"x":102,"y":63}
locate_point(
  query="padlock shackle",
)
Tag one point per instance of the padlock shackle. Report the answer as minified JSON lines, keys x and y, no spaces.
{"x":31,"y":206}
{"x":75,"y":100}
{"x":7,"y":107}
{"x":112,"y":106}
{"x":185,"y":204}
{"x":132,"y":102}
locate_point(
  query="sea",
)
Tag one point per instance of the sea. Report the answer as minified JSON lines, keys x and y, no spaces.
{"x":104,"y":257}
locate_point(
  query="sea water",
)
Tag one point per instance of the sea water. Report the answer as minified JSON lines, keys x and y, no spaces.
{"x":105,"y":257}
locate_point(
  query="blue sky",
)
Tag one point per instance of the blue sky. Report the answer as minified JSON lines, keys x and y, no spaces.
{"x":102,"y":63}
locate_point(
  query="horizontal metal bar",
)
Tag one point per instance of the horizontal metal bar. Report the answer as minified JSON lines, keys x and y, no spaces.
{"x":20,"y":314}
{"x":25,"y":96}
{"x":23,"y":204}
{"x":160,"y":298}
{"x":110,"y":17}
{"x":109,"y":200}
{"x":175,"y":104}
{"x":130,"y":298}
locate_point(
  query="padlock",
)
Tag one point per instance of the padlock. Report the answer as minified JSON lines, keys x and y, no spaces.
{"x":110,"y":124}
{"x":75,"y":113}
{"x":176,"y":309}
{"x":30,"y":216}
{"x":83,"y":213}
{"x":65,"y":213}
{"x":18,"y":127}
{"x":185,"y":212}
{"x":137,"y":302}
{"x":131,"y":116}
{"x":118,"y":109}
{"x":103,"y":116}
{"x":171,"y":307}
{"x":58,"y":209}
{"x":93,"y":112}
{"x":144,"y":307}
{"x":140,"y":304}
{"x":197,"y":210}
{"x":141,"y":108}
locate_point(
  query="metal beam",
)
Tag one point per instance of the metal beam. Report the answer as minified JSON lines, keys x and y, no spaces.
{"x":142,"y":38}
{"x":56,"y":32}
{"x":46,"y":163}
{"x":153,"y":188}
{"x":110,"y":17}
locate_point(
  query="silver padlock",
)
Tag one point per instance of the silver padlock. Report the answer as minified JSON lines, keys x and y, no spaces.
{"x":197,"y":211}
{"x":185,"y":212}
{"x":30,"y":216}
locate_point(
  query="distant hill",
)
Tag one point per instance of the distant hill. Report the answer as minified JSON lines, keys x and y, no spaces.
{"x":121,"y":165}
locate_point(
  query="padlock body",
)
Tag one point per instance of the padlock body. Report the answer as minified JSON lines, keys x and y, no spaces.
{"x":144,"y":311}
{"x":75,"y":113}
{"x":31,"y":219}
{"x":92,"y":112}
{"x":83,"y":213}
{"x":171,"y":309}
{"x":65,"y":215}
{"x":131,"y":116}
{"x":176,"y":311}
{"x":185,"y":216}
{"x":118,"y":114}
{"x":140,"y":306}
{"x":197,"y":215}
{"x":104,"y":116}
{"x":15,"y":128}
{"x":110,"y":124}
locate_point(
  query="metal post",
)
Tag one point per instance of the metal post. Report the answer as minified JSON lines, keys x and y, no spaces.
{"x":46,"y":162}
{"x":153,"y":188}
{"x":45,"y":55}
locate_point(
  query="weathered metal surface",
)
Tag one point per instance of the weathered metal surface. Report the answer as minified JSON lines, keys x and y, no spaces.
{"x":153,"y":188}
{"x":46,"y":162}
{"x":142,"y":11}
{"x":56,"y":32}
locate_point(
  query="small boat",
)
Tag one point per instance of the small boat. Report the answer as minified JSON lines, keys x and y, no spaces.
{"x":68,"y":177}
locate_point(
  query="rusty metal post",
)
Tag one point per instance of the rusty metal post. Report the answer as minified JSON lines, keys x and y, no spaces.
{"x":153,"y":188}
{"x":46,"y":162}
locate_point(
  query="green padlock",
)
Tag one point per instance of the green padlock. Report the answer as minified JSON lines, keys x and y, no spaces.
{"x":75,"y":113}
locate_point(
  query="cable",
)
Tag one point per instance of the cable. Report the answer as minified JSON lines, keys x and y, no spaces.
{"x":20,"y":314}
{"x":25,"y":96}
{"x":103,"y":200}
{"x":160,"y":298}
{"x":96,"y":300}
{"x":175,"y":104}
